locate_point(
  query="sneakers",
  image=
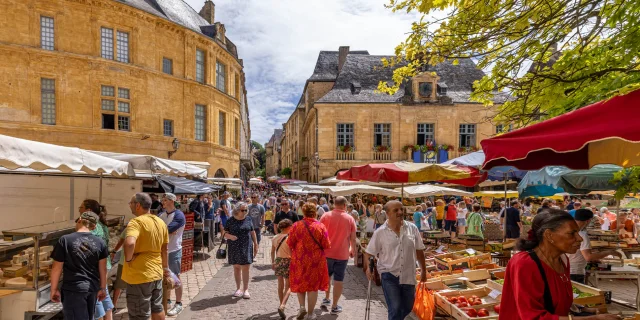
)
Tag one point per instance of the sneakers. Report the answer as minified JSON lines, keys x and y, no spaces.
{"x":326,"y":303}
{"x":177,"y":308}
{"x":238,"y":294}
{"x":246,"y":295}
{"x":336,"y":310}
{"x":301,"y":313}
{"x":281,"y":313}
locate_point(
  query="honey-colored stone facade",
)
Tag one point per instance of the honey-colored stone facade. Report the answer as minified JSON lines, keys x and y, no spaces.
{"x":79,"y":72}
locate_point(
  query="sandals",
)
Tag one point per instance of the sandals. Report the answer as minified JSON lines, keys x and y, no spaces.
{"x":246,"y":295}
{"x":281,"y":313}
{"x":237,"y":294}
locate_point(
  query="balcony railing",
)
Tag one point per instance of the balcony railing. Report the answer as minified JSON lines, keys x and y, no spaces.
{"x":382,"y":155}
{"x":351,"y":155}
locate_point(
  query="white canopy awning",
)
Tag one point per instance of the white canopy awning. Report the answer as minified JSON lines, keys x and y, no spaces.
{"x":427,"y":190}
{"x":349,"y":190}
{"x":20,"y":153}
{"x":154,"y":165}
{"x":375,"y":184}
{"x":225,"y":180}
{"x":255,"y":181}
{"x":295,"y":189}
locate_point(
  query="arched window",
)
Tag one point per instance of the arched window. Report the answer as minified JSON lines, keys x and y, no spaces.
{"x":220,"y":174}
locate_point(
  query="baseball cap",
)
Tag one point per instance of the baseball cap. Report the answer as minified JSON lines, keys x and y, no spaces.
{"x":583,"y":215}
{"x":89,"y":216}
{"x":170,"y":196}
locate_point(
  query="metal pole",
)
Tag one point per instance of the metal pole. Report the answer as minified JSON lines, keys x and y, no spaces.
{"x":100,"y":196}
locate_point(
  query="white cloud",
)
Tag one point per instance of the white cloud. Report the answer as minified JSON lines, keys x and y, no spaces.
{"x":279,"y":41}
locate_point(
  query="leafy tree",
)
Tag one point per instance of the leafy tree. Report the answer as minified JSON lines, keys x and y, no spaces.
{"x":259,"y":153}
{"x":286,"y":172}
{"x":261,"y":172}
{"x":626,"y":181}
{"x":552,"y":55}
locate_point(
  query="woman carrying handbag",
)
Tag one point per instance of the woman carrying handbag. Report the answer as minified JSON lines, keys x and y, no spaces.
{"x":242,"y":248}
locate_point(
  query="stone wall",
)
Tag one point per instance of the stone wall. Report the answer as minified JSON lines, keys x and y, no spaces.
{"x":79,"y":71}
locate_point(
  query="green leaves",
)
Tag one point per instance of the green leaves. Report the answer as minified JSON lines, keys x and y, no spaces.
{"x":626,"y":181}
{"x":552,"y":56}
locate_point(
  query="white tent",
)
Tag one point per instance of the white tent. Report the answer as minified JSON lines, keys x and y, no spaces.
{"x":153,"y":165}
{"x":295,"y":189}
{"x":255,"y":181}
{"x":18,"y":153}
{"x":225,"y":181}
{"x":375,"y":184}
{"x":427,"y":190}
{"x":349,"y":190}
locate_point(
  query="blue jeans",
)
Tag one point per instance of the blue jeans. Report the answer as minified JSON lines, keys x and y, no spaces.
{"x":399,"y":297}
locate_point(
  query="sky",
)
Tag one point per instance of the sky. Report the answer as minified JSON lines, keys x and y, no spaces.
{"x":279,"y":41}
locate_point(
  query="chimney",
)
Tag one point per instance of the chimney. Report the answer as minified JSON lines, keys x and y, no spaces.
{"x":342,"y":56}
{"x":208,"y":11}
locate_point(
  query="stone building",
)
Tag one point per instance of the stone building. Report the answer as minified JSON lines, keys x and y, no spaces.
{"x":347,"y":122}
{"x":273,"y":150}
{"x":135,"y":76}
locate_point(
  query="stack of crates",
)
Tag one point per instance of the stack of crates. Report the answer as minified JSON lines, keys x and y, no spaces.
{"x":187,"y":243}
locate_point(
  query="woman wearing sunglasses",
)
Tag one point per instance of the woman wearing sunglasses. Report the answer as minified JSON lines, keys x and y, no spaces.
{"x":243,"y":247}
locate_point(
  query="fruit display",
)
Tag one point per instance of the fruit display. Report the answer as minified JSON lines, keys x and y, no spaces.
{"x":580,"y":293}
{"x":500,"y":281}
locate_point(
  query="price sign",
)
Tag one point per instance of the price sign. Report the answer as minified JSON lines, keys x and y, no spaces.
{"x":494,"y":294}
{"x":439,"y":250}
{"x":470,"y":251}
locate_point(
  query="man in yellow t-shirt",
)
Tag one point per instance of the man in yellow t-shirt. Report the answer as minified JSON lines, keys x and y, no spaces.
{"x":146,"y":261}
{"x":439,"y":212}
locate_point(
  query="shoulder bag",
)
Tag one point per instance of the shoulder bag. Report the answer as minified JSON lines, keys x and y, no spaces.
{"x":222,"y":253}
{"x":281,"y":242}
{"x":548,"y":302}
{"x":312,"y":237}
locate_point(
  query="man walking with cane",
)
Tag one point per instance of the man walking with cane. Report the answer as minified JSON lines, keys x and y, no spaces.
{"x":398,"y":245}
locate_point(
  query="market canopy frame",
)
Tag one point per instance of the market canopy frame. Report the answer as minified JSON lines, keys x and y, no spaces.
{"x":427,"y":190}
{"x":155,"y":165}
{"x":403,"y":172}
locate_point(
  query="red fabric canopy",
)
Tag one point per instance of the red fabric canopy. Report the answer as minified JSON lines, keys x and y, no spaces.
{"x":476,"y":177}
{"x":607,"y":132}
{"x":403,"y":172}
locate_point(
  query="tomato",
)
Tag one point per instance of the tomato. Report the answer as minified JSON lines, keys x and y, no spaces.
{"x":496,"y":308}
{"x":483,"y":313}
{"x":477,"y":302}
{"x":462,"y":304}
{"x":453,"y":299}
{"x":471,"y":312}
{"x":474,"y":297}
{"x":462,"y":298}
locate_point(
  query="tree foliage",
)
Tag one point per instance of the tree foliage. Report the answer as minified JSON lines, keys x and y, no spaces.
{"x":260,"y":155}
{"x":626,"y":181}
{"x":552,"y":55}
{"x":286,"y":172}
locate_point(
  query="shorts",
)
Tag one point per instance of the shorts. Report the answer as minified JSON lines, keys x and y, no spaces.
{"x":337,"y":268}
{"x":103,"y":306}
{"x":462,"y":222}
{"x":175,"y":261}
{"x":78,"y":305}
{"x":512,"y":233}
{"x":282,"y":267}
{"x":439,"y":223}
{"x":119,"y":284}
{"x":144,"y":299}
{"x":450,"y":225}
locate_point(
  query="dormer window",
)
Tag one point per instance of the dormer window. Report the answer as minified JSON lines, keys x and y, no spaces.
{"x":442,"y":89}
{"x":355,"y":87}
{"x":425,"y":89}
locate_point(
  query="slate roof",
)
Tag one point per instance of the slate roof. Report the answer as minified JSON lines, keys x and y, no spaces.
{"x":327,"y":65}
{"x":367,"y":71}
{"x":176,"y":11}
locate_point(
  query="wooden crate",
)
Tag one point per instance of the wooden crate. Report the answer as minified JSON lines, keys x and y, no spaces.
{"x":457,"y":262}
{"x":436,"y":285}
{"x":596,"y":301}
{"x":441,"y":300}
{"x":467,"y":283}
{"x":485,"y":266}
{"x":481,"y":292}
{"x":458,"y":314}
{"x":476,"y":275}
{"x":494,"y":285}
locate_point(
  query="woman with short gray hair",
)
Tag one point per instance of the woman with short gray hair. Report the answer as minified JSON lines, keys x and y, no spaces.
{"x":243,"y":247}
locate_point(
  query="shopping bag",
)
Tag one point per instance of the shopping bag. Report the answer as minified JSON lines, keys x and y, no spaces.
{"x":424,"y":303}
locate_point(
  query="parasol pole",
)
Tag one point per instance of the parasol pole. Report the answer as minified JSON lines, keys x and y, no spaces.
{"x":505,"y":191}
{"x":100,"y":196}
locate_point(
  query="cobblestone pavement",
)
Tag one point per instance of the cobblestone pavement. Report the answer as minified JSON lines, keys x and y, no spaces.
{"x":215,"y":302}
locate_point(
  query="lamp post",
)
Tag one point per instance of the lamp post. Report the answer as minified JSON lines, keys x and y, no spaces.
{"x":176,"y":145}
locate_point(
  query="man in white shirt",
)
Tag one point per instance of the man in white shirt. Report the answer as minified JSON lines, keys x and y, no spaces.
{"x":398,"y":245}
{"x":175,"y":221}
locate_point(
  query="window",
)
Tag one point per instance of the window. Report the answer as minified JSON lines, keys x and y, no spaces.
{"x":200,"y":61}
{"x":106,"y":40}
{"x":236,"y":129}
{"x":467,"y":135}
{"x":48,"y":100}
{"x":500,"y":128}
{"x":382,"y":134}
{"x":123,"y":123}
{"x":222,"y":128}
{"x":425,"y":133}
{"x":345,"y":134}
{"x":238,"y":86}
{"x":167,"y":128}
{"x":108,"y":121}
{"x":123,"y":47}
{"x":425,"y":89}
{"x":108,"y":102}
{"x":442,"y":89}
{"x":46,"y":33}
{"x":220,"y":76}
{"x":201,"y":116}
{"x":167,"y":65}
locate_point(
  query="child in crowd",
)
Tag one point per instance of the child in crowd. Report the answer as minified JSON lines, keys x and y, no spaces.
{"x":280,"y":260}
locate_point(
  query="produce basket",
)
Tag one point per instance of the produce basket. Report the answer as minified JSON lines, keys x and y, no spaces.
{"x":460,"y":314}
{"x":451,"y":261}
{"x":588,"y":296}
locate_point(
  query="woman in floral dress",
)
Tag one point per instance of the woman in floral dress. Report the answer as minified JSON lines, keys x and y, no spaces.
{"x":308,"y":272}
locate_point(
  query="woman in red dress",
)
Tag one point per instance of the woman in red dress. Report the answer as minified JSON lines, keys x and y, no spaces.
{"x":308,"y":272}
{"x":553,"y":234}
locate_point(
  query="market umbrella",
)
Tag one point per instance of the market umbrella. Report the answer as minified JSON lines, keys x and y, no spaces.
{"x":605,"y":132}
{"x":475,"y":178}
{"x":555,"y":179}
{"x":476,"y":160}
{"x":427,"y":190}
{"x":403,"y":172}
{"x":178,"y":185}
{"x":353,"y":189}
